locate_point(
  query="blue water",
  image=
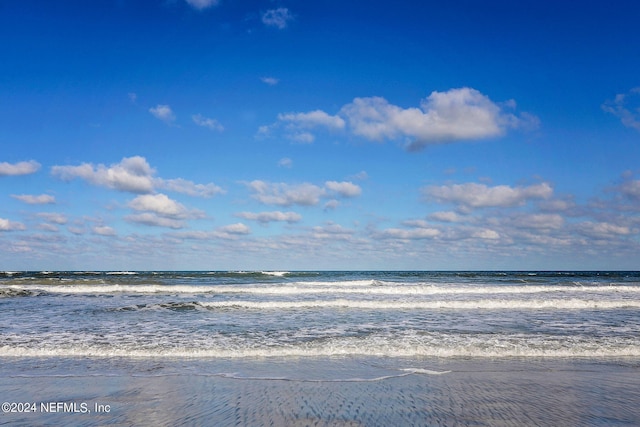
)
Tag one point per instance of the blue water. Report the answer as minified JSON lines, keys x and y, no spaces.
{"x":310,"y":314}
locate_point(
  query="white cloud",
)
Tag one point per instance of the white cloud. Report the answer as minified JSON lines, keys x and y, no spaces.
{"x":331,"y":204}
{"x":445,"y":216}
{"x":6,"y":225}
{"x":458,"y":114}
{"x":266,"y":217}
{"x":304,"y":194}
{"x":486,"y":234}
{"x":345,"y":188}
{"x":302,"y":137}
{"x":132,"y":174}
{"x":557,"y":205}
{"x":539,"y":221}
{"x":103,"y":230}
{"x":202,"y":4}
{"x":455,"y":115}
{"x":206,"y":122}
{"x":603,"y":230}
{"x":163,"y":112}
{"x":298,"y":125}
{"x":133,"y":97}
{"x":278,"y":18}
{"x":413,"y":234}
{"x":362,"y":175}
{"x":420,"y":223}
{"x":285,"y":162}
{"x":48,"y":227}
{"x":160,"y":211}
{"x":180,"y":185}
{"x":619,"y":107}
{"x":271,"y":81}
{"x":227,"y":232}
{"x":285,"y":194}
{"x":313,"y":119}
{"x":55,"y":218}
{"x":160,"y":204}
{"x":152,"y":219}
{"x":332,"y":231}
{"x":42,"y":199}
{"x":76,"y":230}
{"x":238,"y":228}
{"x":20,"y":168}
{"x":473,"y":195}
{"x":631,"y":189}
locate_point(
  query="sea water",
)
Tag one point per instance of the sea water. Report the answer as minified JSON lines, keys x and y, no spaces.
{"x":309,"y":314}
{"x":320,"y":348}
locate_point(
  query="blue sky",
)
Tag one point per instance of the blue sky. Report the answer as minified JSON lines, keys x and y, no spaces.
{"x":228,"y":134}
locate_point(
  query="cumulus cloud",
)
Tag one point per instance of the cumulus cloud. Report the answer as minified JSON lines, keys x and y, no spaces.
{"x":313,"y":119}
{"x":445,"y":216}
{"x":163,"y":112}
{"x":626,"y":106}
{"x":134,"y":175}
{"x":237,"y":228}
{"x":454,"y":115}
{"x":332,"y":231}
{"x":6,"y":225}
{"x":227,"y":232}
{"x":278,"y":18}
{"x":48,"y":227}
{"x":42,"y":199}
{"x":202,"y":4}
{"x":304,"y":194}
{"x":631,"y":189}
{"x":160,"y":211}
{"x":603,"y":230}
{"x":206,"y":122}
{"x":298,"y":125}
{"x":160,"y":204}
{"x":103,"y":230}
{"x":345,"y":188}
{"x":152,"y":219}
{"x":285,"y":194}
{"x":55,"y":218}
{"x":20,"y":168}
{"x":538,"y":221}
{"x":412,"y":234}
{"x":266,"y":217}
{"x":183,"y":186}
{"x":458,"y":114}
{"x":331,"y":204}
{"x":486,"y":234}
{"x":473,"y":195}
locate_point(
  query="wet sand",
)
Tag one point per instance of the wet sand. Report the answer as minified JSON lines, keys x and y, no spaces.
{"x":322,"y":392}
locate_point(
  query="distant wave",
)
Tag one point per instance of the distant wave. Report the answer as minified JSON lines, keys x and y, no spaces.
{"x":319,"y":288}
{"x":562,"y":304}
{"x":558,"y":304}
{"x":275,"y":273}
{"x":346,"y":348}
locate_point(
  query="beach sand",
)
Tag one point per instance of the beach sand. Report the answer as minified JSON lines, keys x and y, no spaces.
{"x":363,"y":391}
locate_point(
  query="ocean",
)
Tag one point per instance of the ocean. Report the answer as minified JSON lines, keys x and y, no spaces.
{"x":102,"y":332}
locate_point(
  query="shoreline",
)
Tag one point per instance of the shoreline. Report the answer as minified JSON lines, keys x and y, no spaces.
{"x":367,"y":391}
